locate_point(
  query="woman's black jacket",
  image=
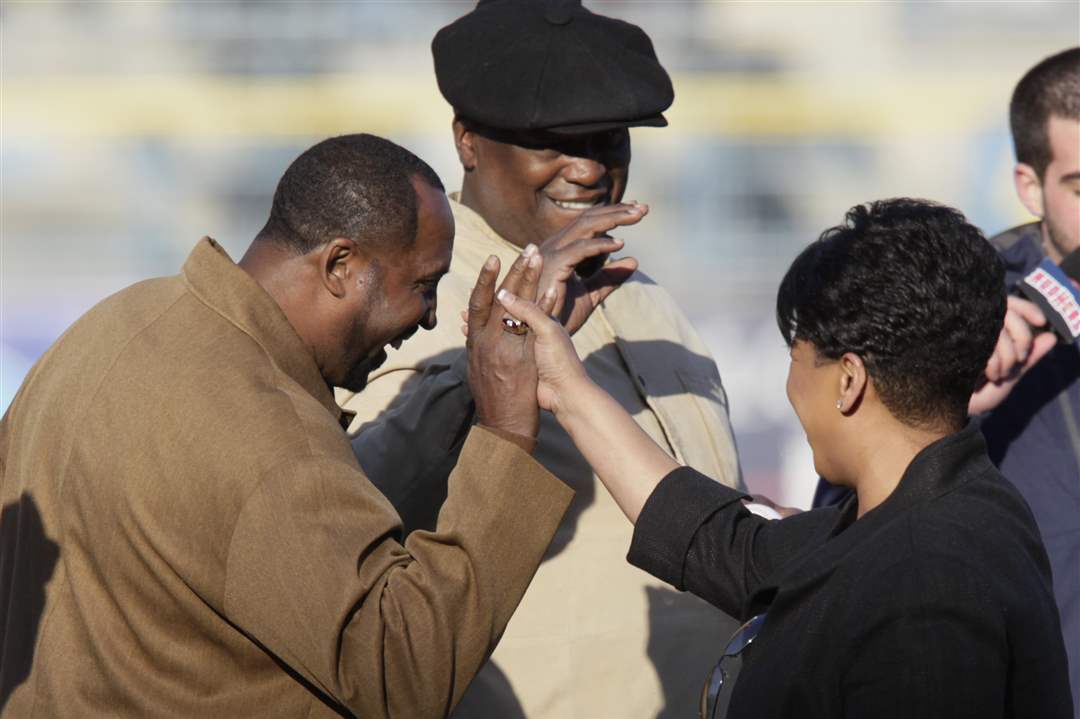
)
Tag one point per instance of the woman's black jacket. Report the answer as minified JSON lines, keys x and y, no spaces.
{"x":937,"y":603}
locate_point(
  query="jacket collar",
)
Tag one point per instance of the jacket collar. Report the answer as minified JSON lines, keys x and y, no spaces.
{"x":1020,"y":249}
{"x":470,"y":218}
{"x":940,"y":468}
{"x":219,"y":283}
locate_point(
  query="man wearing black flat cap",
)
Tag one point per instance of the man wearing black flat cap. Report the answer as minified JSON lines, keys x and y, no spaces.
{"x":543,"y":93}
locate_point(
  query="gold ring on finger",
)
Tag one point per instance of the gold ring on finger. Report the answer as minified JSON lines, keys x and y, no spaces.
{"x":514,"y":327}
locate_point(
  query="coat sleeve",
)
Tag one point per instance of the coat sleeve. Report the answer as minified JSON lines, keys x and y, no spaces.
{"x":927,"y":641}
{"x":317,"y":576}
{"x":695,"y":534}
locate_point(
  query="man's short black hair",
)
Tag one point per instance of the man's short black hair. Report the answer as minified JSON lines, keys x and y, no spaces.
{"x":355,"y":186}
{"x":915,"y":291}
{"x":1050,"y":88}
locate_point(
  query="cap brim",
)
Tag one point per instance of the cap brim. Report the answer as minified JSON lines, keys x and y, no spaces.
{"x":587,"y":127}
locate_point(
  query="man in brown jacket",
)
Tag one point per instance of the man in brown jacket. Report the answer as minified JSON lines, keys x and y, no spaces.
{"x":185,"y":528}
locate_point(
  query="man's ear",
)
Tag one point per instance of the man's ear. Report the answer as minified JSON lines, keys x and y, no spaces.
{"x":1029,"y":188}
{"x":337,"y":264}
{"x":465,"y":142}
{"x":853,"y":382}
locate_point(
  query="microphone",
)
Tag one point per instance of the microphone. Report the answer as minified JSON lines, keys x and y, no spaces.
{"x":1053,"y":288}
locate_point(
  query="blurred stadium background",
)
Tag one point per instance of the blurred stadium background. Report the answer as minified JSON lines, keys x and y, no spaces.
{"x":130,"y":129}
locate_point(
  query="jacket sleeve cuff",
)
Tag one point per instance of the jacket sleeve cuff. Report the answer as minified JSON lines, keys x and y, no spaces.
{"x":665,"y":529}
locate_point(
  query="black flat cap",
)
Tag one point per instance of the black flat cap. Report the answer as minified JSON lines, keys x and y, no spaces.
{"x":550,"y":65}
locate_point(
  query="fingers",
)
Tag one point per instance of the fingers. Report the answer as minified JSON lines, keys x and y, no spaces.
{"x":593,"y":226}
{"x":515,"y":277}
{"x":1018,"y":329}
{"x":481,"y":298}
{"x":512,"y":281}
{"x":610,"y":278}
{"x":1013,"y":351}
{"x":548,"y":301}
{"x":605,"y":219}
{"x":1028,"y":311}
{"x":530,"y":279}
{"x":528,"y":312}
{"x":631,"y":211}
{"x":596,"y":221}
{"x":583,"y":249}
{"x":1003,"y":360}
{"x":994,"y":392}
{"x":522,"y":279}
{"x":1040,"y":348}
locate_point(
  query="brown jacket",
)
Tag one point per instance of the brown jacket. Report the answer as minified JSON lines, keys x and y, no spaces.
{"x":186,"y":531}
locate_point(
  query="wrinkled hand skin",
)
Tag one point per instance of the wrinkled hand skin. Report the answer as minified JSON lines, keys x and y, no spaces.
{"x":561,"y":377}
{"x":502,"y":369}
{"x":582,"y":248}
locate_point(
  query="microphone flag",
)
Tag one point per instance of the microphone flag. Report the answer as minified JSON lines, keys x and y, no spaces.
{"x":1051,"y":289}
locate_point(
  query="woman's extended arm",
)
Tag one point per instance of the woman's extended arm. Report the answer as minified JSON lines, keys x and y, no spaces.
{"x":625,"y":459}
{"x":628,"y":461}
{"x":688,"y":530}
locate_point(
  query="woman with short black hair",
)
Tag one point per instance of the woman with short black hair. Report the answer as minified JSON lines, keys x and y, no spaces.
{"x":927,"y":594}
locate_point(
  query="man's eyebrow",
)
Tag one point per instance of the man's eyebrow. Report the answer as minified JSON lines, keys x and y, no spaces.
{"x":1070,"y":176}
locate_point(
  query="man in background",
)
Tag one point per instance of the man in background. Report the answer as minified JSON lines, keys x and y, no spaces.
{"x":544,"y":93}
{"x":1033,"y":397}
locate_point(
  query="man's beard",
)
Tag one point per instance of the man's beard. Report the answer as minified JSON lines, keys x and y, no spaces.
{"x":1056,"y":238}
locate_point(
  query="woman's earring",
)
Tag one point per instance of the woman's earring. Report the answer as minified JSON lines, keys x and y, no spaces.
{"x":839,"y":403}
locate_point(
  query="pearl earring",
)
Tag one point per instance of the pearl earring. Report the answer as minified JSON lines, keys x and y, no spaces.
{"x":839,"y":403}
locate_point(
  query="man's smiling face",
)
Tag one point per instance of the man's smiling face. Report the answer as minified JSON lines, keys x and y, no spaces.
{"x":396,"y":296}
{"x":529,"y":185}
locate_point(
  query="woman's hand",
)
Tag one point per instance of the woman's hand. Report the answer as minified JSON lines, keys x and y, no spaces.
{"x":560,"y":374}
{"x":627,"y":461}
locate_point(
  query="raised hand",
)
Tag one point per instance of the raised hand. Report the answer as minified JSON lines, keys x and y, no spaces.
{"x":574,"y":261}
{"x":1017,"y":351}
{"x":502,"y":369}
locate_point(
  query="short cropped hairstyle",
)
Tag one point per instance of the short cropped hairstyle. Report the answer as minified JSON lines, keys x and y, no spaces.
{"x":1050,"y":88}
{"x":915,"y":291}
{"x":358,"y":187}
